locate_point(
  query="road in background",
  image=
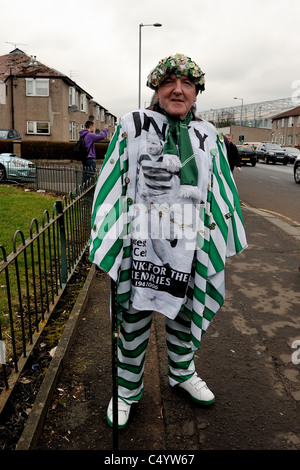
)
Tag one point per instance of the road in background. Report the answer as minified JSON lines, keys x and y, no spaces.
{"x":271,"y":188}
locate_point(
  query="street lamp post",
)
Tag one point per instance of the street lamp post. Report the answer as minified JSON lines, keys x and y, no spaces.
{"x":241,"y":115}
{"x":157,"y":25}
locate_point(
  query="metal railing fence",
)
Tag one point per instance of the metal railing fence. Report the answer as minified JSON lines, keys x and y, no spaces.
{"x":57,"y":178}
{"x":34,"y":275}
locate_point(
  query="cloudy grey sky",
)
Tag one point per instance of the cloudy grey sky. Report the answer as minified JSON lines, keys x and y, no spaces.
{"x":247,"y":48}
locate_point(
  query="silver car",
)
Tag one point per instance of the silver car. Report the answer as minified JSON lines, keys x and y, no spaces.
{"x":297,"y":170}
{"x":292,"y":152}
{"x":14,"y":168}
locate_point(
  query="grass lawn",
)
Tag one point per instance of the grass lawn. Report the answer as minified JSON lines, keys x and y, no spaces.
{"x":17,"y":209}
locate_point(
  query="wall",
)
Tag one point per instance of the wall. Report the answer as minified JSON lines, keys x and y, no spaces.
{"x":251,"y":134}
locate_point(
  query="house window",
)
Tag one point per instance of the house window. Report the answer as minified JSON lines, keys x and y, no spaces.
{"x":38,"y":127}
{"x":37,"y":87}
{"x":282,"y":140}
{"x":73,"y":96}
{"x":282,"y":122}
{"x":298,"y":121}
{"x":102,"y":115}
{"x":97,"y":112}
{"x":290,"y":121}
{"x":290,"y":140}
{"x":72,"y":128}
{"x":83,"y":103}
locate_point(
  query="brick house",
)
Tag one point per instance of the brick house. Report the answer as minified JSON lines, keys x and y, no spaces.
{"x":42,"y":103}
{"x":286,"y":128}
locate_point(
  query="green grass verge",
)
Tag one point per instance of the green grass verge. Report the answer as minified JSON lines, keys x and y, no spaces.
{"x":17,"y":209}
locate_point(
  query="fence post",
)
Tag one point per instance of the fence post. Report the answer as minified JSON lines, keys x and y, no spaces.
{"x":62,"y":231}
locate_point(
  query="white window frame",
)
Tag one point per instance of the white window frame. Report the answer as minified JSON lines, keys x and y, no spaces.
{"x":291,"y":121}
{"x":35,"y":127}
{"x":282,"y":122}
{"x":72,"y":131}
{"x":83,"y":103}
{"x":289,"y":142}
{"x":102,"y":115}
{"x":32,"y":88}
{"x":282,"y":140}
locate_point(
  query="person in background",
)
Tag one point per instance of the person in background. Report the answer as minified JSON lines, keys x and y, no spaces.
{"x":233,"y":154}
{"x":90,"y":138}
{"x":198,"y":228}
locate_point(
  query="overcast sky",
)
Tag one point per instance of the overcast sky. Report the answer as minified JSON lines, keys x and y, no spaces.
{"x":247,"y":48}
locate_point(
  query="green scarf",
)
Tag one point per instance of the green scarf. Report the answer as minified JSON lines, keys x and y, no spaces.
{"x":181,"y":156}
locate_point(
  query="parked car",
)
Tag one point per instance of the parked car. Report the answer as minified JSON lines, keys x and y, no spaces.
{"x":9,"y":134}
{"x":297,"y":170}
{"x":14,"y":168}
{"x":247,"y":154}
{"x":269,"y":152}
{"x":292,"y":152}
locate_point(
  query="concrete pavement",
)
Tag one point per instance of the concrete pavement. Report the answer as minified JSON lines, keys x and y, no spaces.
{"x":250,"y":358}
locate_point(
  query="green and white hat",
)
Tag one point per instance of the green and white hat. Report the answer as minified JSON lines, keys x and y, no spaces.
{"x":179,"y":64}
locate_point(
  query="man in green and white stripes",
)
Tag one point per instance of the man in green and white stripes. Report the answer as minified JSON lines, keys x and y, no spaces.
{"x":164,"y":235}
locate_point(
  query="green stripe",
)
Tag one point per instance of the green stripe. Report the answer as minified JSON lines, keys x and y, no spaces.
{"x":179,"y":334}
{"x":136,"y":352}
{"x":214,"y":294}
{"x":135,"y":334}
{"x":215,"y":257}
{"x":201,"y":269}
{"x":181,"y":378}
{"x":179,"y":365}
{"x":199,"y":294}
{"x":130,"y":385}
{"x":110,"y":257}
{"x":131,"y":368}
{"x":106,"y":188}
{"x":122,"y":298}
{"x":180,"y":350}
{"x":219,"y":218}
{"x":114,"y":175}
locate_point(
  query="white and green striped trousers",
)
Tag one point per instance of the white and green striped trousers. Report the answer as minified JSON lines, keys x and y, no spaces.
{"x":133,"y":340}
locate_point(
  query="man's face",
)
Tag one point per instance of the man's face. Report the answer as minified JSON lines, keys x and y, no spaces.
{"x":177,"y":95}
{"x":153,"y":144}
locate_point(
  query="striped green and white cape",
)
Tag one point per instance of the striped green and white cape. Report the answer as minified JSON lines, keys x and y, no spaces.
{"x":222,"y":233}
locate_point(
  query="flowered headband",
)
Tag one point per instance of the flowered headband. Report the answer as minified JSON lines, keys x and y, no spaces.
{"x":179,"y":64}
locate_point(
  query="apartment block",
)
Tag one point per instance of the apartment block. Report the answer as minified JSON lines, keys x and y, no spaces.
{"x":286,"y":128}
{"x":42,"y":103}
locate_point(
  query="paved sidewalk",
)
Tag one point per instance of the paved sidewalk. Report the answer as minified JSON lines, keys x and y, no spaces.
{"x":249,"y":358}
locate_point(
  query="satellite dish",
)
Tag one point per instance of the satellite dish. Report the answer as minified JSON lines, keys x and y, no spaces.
{"x":91,"y":118}
{"x":73,"y":108}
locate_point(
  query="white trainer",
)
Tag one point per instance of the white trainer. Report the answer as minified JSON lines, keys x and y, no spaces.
{"x":197,"y":389}
{"x":123,"y":413}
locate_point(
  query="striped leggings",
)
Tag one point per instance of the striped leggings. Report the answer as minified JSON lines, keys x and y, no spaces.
{"x":133,"y":340}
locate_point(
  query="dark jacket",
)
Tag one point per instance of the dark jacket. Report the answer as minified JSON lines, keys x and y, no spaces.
{"x":233,"y":154}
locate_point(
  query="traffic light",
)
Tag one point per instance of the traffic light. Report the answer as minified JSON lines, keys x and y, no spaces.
{"x":241,"y":138}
